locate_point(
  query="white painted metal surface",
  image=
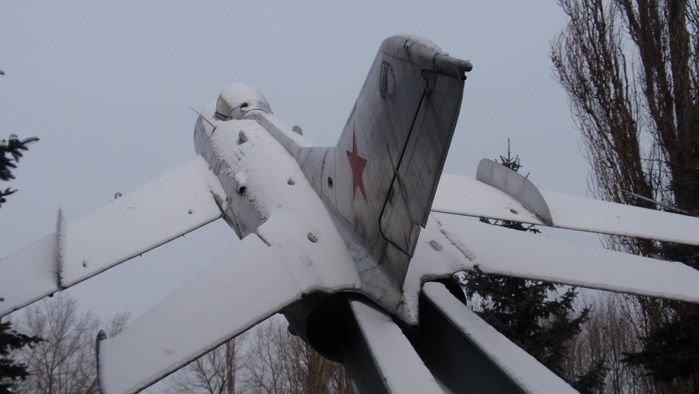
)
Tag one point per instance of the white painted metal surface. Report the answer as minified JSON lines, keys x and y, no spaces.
{"x":499,"y":250}
{"x":399,"y":365}
{"x":28,"y":275}
{"x":515,"y":185}
{"x":529,"y":374}
{"x":466,"y":196}
{"x":237,"y":291}
{"x":462,"y":195}
{"x":155,"y":213}
{"x":211,"y":308}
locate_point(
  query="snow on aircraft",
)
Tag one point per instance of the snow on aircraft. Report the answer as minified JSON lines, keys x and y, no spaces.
{"x":349,"y":242}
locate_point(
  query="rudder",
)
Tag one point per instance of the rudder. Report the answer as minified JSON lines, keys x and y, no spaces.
{"x":389,"y":158}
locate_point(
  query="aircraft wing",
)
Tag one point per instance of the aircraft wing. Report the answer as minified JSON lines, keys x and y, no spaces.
{"x":518,"y":366}
{"x":255,"y":280}
{"x":399,"y":366}
{"x":501,"y":193}
{"x":452,"y":243}
{"x":157,"y":212}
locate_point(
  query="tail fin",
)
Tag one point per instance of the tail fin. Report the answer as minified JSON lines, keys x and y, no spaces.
{"x":389,"y":158}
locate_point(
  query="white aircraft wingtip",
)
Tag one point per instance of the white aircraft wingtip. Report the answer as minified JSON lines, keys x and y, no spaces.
{"x":28,"y":275}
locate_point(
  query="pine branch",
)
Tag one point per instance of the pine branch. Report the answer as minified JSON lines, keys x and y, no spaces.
{"x":11,"y":150}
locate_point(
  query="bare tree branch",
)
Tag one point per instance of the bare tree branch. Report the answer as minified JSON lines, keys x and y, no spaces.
{"x":64,"y":362}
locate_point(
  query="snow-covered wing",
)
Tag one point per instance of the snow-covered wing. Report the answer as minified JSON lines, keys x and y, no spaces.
{"x":452,"y":243}
{"x":400,"y":367}
{"x":499,"y":250}
{"x":467,"y":196}
{"x":157,"y":212}
{"x":598,"y":216}
{"x":253,"y":281}
{"x":527,"y":373}
{"x":240,"y":289}
{"x":28,"y":275}
{"x":462,"y":195}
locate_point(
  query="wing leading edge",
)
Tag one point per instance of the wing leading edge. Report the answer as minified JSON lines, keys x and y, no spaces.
{"x":169,"y":206}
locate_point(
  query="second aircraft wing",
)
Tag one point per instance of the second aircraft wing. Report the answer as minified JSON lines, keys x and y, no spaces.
{"x":157,"y":212}
{"x":501,"y":193}
{"x":260,"y":276}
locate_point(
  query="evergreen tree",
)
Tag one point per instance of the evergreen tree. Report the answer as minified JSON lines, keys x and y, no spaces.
{"x":671,"y":351}
{"x":11,"y":150}
{"x":538,"y":316}
{"x":11,"y":371}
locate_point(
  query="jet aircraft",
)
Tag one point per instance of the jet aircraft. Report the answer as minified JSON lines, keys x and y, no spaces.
{"x":353,"y":243}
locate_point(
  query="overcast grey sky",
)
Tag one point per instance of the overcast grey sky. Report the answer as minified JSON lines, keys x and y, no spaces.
{"x":107,"y":88}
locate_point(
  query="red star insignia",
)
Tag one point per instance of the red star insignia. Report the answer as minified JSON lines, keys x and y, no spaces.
{"x":358,"y":164}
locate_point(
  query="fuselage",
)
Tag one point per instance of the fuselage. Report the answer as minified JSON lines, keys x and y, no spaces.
{"x":253,"y":158}
{"x":256,"y":141}
{"x":372,"y":191}
{"x":300,"y":178}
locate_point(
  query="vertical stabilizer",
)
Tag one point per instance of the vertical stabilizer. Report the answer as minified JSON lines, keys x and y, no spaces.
{"x":383,"y":173}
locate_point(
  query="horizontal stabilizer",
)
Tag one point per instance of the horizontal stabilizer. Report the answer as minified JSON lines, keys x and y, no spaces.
{"x":461,"y":195}
{"x":498,"y":250}
{"x":527,"y":374}
{"x":400,"y":367}
{"x":157,"y":212}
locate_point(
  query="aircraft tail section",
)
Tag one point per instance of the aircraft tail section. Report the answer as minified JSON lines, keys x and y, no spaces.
{"x":390,"y":155}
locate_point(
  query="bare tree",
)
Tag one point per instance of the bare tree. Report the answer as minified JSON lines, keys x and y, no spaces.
{"x":279,"y":362}
{"x":64,"y":362}
{"x":265,"y":360}
{"x":609,"y":334}
{"x":630,"y":68}
{"x":307,"y":370}
{"x":264,"y":371}
{"x":213,"y":373}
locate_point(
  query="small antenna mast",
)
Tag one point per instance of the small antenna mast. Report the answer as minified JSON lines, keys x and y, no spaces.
{"x":666,"y":206}
{"x":204,"y":117}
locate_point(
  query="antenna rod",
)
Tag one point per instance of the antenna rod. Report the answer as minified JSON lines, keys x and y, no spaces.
{"x":203,"y":117}
{"x":666,"y":206}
